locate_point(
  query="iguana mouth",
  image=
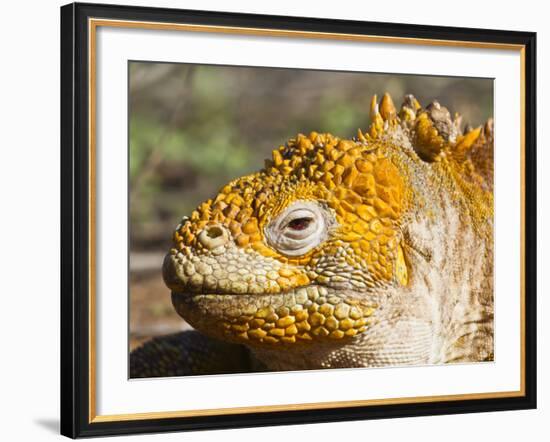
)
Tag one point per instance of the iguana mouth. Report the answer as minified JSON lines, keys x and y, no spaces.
{"x":301,"y":315}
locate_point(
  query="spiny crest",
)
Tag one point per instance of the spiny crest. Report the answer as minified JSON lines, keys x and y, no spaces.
{"x":433,"y":133}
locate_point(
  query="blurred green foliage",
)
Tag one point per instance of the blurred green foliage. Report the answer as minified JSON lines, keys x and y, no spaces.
{"x":195,"y":127}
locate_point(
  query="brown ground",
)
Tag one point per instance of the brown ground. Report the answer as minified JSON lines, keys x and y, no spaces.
{"x":151,"y":311}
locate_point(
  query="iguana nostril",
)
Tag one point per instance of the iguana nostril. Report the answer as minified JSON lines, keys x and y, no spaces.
{"x":214,"y":231}
{"x":213,"y":236}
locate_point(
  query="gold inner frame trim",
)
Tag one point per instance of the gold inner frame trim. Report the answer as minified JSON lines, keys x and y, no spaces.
{"x":93,"y":24}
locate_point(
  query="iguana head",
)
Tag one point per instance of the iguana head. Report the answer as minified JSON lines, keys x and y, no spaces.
{"x":309,"y":249}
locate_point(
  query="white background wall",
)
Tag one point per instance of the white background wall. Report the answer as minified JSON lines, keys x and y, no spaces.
{"x":29,"y":227}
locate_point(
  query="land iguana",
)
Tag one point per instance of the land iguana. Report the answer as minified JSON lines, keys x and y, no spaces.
{"x":364,"y":252}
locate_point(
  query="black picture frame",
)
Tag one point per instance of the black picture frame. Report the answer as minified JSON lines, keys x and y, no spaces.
{"x":75,"y":219}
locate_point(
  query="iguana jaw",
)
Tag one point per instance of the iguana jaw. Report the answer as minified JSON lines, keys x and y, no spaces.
{"x":307,"y":315}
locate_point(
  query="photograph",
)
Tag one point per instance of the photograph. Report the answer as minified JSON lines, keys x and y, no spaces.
{"x":297,"y":219}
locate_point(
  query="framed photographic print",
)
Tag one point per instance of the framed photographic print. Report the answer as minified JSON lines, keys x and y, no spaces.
{"x":274,"y":220}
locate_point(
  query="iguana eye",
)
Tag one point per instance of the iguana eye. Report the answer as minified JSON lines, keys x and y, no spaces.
{"x":301,"y":227}
{"x":299,"y":223}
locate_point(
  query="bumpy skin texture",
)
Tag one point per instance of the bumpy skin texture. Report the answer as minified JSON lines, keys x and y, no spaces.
{"x":363,"y":252}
